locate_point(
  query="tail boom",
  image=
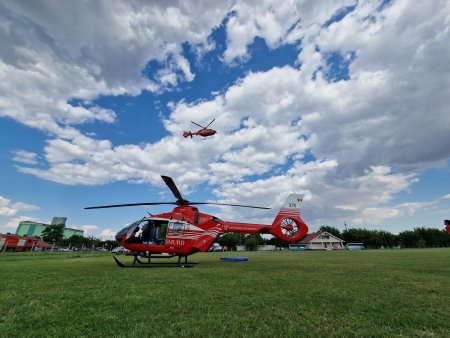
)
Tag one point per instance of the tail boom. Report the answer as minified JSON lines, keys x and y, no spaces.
{"x":288,"y":225}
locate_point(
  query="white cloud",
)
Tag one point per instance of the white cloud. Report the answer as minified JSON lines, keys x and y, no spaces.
{"x":25,"y":157}
{"x":277,"y":23}
{"x":97,"y":232}
{"x":5,"y":211}
{"x":8,"y":209}
{"x":391,"y":113}
{"x":108,"y":234}
{"x":24,"y":206}
{"x":325,"y":193}
{"x":60,"y":52}
{"x":89,"y":230}
{"x":10,"y":214}
{"x":4,"y":201}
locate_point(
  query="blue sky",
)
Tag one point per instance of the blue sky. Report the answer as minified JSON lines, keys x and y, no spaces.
{"x":345,"y":102}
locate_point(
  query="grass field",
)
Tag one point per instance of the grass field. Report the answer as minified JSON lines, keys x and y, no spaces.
{"x":390,"y":293}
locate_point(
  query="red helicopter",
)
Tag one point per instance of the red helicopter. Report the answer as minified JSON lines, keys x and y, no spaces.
{"x":204,"y":132}
{"x":185,"y":230}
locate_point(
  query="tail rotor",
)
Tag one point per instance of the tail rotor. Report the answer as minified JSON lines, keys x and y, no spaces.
{"x":288,"y":225}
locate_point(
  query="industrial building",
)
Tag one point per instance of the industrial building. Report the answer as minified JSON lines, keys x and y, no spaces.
{"x":35,"y":229}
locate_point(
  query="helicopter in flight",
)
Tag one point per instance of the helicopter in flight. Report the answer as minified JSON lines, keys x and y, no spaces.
{"x":185,"y":230}
{"x":204,"y":132}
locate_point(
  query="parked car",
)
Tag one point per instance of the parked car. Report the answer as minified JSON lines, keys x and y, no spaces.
{"x":101,"y":249}
{"x":119,"y":250}
{"x":355,"y":246}
{"x":215,"y":247}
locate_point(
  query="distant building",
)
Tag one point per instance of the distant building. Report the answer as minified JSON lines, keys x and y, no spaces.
{"x":35,"y":229}
{"x":297,"y":247}
{"x":266,"y":247}
{"x":19,"y":243}
{"x":321,"y":240}
{"x":59,"y":220}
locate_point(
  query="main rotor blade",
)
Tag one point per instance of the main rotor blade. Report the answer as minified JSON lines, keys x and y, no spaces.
{"x":129,"y":205}
{"x":198,"y":125}
{"x":232,"y":205}
{"x":171,"y":184}
{"x":210,"y":123}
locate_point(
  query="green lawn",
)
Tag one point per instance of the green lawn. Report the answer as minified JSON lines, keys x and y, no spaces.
{"x":388,"y":293}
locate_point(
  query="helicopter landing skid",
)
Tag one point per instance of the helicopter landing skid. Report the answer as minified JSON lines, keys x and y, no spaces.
{"x":150,"y":264}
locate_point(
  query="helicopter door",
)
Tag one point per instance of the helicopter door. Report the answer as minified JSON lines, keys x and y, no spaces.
{"x":159,"y":232}
{"x":154,"y":232}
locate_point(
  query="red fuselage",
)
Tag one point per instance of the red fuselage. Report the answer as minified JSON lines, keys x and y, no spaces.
{"x":205,"y":132}
{"x":185,"y":231}
{"x":202,"y":132}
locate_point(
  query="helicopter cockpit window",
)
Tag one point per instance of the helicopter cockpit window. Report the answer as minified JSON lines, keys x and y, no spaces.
{"x":176,"y":226}
{"x":215,"y":219}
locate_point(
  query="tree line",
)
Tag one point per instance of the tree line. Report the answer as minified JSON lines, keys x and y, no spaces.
{"x":55,"y":234}
{"x":377,"y":239}
{"x":372,"y":239}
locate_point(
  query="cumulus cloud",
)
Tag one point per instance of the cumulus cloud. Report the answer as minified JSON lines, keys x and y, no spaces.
{"x":25,"y":157}
{"x":108,"y":234}
{"x":276,"y":23}
{"x":60,"y":52}
{"x":89,"y":230}
{"x":11,"y":209}
{"x":351,"y":143}
{"x":20,"y":206}
{"x":5,"y":211}
{"x":328,"y":197}
{"x":10,"y":214}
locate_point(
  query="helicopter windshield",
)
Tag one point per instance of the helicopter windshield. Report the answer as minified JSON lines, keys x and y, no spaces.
{"x":129,"y":227}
